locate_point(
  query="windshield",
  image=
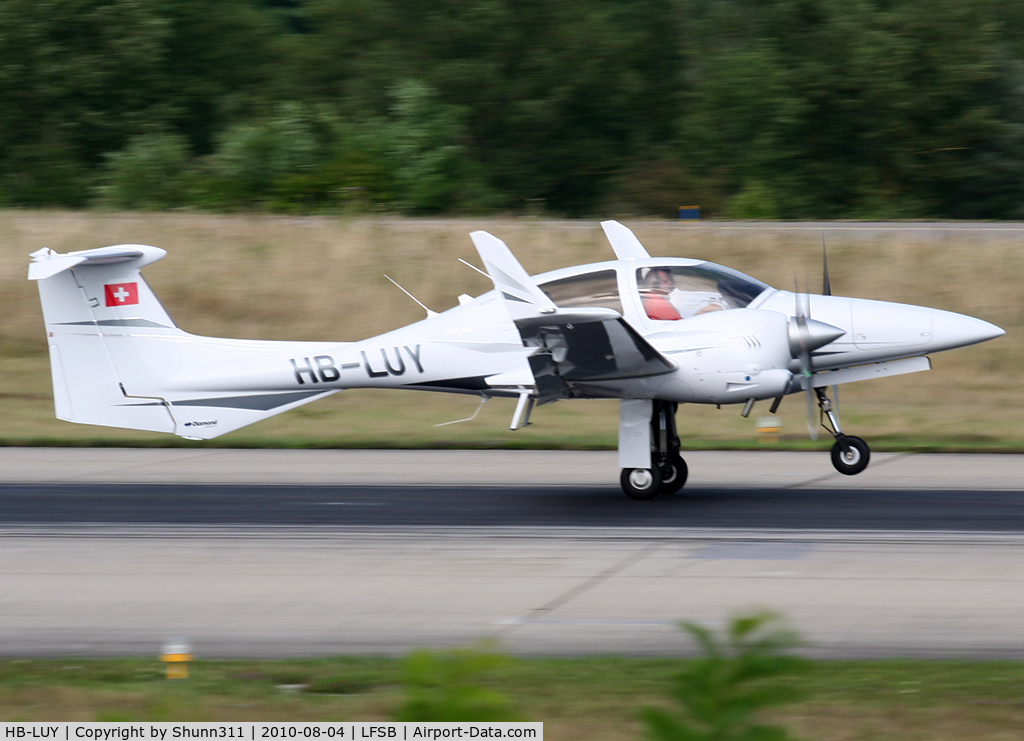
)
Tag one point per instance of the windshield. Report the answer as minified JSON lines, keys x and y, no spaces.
{"x":680,"y":292}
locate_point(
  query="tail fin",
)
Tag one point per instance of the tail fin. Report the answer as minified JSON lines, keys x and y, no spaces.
{"x":84,"y":296}
{"x":117,"y":358}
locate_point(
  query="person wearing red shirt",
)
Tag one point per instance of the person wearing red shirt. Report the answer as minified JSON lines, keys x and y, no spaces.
{"x":657,"y":286}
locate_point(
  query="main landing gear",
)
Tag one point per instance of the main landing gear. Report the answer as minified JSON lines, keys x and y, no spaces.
{"x":850,"y":455}
{"x":649,"y":449}
{"x":649,"y":446}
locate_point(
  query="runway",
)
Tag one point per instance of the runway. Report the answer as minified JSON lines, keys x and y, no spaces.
{"x":286,"y":553}
{"x":517,"y":506}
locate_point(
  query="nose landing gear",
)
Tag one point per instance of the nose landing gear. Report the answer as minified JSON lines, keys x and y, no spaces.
{"x":850,"y":454}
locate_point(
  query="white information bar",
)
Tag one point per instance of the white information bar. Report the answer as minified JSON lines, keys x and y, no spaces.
{"x":268,"y":731}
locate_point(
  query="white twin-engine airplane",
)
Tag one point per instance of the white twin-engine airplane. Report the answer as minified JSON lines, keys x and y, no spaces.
{"x":652,"y":332}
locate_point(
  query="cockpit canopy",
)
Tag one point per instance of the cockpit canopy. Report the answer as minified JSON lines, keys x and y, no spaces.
{"x":679,"y":292}
{"x":672,"y":290}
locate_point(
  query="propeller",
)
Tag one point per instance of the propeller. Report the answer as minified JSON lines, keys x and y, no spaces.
{"x":802,"y":352}
{"x":805,"y":336}
{"x":826,"y":290}
{"x":826,"y":284}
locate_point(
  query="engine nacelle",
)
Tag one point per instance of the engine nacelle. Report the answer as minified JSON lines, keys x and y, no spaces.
{"x":728,"y":357}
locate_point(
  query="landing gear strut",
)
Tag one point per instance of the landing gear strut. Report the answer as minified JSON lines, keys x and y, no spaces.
{"x":649,"y":449}
{"x":850,"y":454}
{"x":666,"y":447}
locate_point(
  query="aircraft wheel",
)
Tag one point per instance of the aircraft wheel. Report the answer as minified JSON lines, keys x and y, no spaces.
{"x":854,"y":458}
{"x":640,"y":483}
{"x":673,"y":475}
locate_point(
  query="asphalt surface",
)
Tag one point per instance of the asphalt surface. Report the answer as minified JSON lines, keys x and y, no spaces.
{"x":505,"y":506}
{"x":313,"y":553}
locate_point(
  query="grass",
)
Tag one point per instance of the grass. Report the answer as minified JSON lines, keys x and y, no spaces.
{"x":594,"y":698}
{"x":321,"y":278}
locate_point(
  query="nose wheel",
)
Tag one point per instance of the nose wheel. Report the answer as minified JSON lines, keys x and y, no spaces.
{"x":850,"y":454}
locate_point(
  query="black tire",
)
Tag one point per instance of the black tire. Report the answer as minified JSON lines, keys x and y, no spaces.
{"x":673,"y":475}
{"x":850,"y":455}
{"x":640,"y":483}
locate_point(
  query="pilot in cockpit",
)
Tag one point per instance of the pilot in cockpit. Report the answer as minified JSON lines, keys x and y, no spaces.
{"x":664,"y":299}
{"x":655,"y":291}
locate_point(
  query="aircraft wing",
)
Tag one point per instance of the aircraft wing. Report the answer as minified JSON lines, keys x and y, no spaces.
{"x":570,"y":354}
{"x":522,"y":297}
{"x":572,"y":346}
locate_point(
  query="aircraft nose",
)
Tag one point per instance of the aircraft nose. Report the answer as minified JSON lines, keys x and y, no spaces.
{"x":950,"y":330}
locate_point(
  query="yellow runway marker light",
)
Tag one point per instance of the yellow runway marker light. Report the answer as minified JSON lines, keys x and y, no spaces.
{"x":768,"y":429}
{"x":176,"y":655}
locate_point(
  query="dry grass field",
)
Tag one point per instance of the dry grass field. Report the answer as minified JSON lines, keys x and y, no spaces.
{"x":321,"y":278}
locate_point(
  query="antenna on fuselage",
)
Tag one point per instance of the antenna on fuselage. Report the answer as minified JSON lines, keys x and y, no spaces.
{"x":429,"y":312}
{"x":471,"y":265}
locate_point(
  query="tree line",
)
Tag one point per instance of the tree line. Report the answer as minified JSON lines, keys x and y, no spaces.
{"x":749,"y":108}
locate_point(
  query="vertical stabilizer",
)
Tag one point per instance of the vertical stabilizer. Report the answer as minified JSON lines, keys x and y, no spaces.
{"x":89,"y":299}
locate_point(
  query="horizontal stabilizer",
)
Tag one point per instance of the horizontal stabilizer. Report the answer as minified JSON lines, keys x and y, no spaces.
{"x":47,"y":263}
{"x":624,"y":242}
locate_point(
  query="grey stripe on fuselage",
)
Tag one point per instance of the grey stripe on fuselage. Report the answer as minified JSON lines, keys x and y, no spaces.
{"x":118,"y":323}
{"x":259,"y":402}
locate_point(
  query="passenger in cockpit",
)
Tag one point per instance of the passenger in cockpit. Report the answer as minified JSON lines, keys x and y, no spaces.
{"x":657,"y":285}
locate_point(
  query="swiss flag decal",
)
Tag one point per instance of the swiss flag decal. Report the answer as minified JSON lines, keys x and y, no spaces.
{"x":122,"y":294}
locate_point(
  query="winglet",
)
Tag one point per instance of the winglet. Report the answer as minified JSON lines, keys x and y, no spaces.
{"x":522,"y":297}
{"x":624,"y":242}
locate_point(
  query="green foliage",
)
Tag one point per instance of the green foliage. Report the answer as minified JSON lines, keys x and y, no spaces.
{"x":858,"y":108}
{"x":739,"y":675}
{"x":754,"y":201}
{"x":300,"y":158}
{"x":76,"y":78}
{"x":556,"y":98}
{"x":430,"y":163}
{"x":449,"y":687}
{"x":753,"y":109}
{"x":252,"y":157}
{"x":150,"y":173}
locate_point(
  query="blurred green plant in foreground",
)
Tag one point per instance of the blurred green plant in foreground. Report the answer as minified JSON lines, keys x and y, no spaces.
{"x":740,"y":674}
{"x":448,"y":687}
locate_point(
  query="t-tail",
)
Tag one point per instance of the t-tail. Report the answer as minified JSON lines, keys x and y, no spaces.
{"x":118,"y":359}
